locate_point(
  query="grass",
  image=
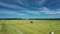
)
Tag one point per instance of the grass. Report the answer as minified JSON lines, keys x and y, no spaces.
{"x":25,"y":27}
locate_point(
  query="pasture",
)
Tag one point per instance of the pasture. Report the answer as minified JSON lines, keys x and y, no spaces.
{"x":25,"y":27}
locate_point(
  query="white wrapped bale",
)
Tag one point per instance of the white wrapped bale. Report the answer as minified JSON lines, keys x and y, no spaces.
{"x":51,"y":32}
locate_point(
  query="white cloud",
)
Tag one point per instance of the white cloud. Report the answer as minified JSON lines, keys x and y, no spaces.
{"x":6,"y":12}
{"x":19,"y":1}
{"x":12,"y":12}
{"x":11,"y":6}
{"x":41,"y":2}
{"x":32,"y":12}
{"x":20,"y":14}
{"x":44,"y":10}
{"x":48,"y":11}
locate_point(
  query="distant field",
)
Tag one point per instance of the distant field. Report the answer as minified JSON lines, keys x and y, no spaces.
{"x":25,"y":27}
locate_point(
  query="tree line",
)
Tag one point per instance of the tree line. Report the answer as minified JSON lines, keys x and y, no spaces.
{"x":29,"y":18}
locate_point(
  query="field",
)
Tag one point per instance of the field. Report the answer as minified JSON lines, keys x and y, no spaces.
{"x":25,"y":27}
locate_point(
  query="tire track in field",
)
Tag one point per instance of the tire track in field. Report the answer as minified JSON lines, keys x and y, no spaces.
{"x":39,"y":30}
{"x":31,"y":29}
{"x":15,"y":29}
{"x":4,"y":29}
{"x":19,"y":28}
{"x":34,"y":30}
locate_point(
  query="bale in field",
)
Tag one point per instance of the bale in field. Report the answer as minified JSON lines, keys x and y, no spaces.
{"x":31,"y":21}
{"x":51,"y":32}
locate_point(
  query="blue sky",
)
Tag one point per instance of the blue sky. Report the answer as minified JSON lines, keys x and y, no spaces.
{"x":29,"y":8}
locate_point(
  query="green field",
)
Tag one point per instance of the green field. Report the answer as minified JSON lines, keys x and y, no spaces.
{"x":25,"y":27}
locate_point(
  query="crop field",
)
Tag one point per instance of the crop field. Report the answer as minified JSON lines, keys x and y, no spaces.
{"x":25,"y":27}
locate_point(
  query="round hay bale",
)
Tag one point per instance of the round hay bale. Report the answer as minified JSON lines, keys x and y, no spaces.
{"x":31,"y":22}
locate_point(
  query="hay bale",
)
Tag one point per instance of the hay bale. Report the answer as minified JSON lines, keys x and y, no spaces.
{"x":31,"y":21}
{"x":51,"y":32}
